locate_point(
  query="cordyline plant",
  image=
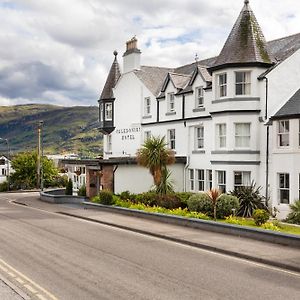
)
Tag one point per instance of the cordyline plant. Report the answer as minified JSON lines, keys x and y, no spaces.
{"x":155,"y":156}
{"x":214,"y":196}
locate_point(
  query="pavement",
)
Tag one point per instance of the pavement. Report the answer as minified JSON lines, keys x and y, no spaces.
{"x":258,"y":251}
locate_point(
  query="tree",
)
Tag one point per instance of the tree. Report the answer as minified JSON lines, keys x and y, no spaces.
{"x":155,"y":156}
{"x":25,"y":170}
{"x":214,"y":196}
{"x":69,"y":187}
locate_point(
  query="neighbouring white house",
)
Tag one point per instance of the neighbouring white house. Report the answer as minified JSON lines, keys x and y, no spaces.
{"x":231,"y":119}
{"x":5,"y":168}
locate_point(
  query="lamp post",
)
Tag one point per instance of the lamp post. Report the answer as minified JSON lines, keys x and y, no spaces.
{"x":8,"y":157}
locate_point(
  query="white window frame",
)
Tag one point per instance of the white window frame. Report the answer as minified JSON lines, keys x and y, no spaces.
{"x":147,"y":135}
{"x":209,"y":181}
{"x":284,"y":187}
{"x":221,"y":136}
{"x":199,"y":137}
{"x":108,"y":111}
{"x":109,"y":143}
{"x":245,"y":83}
{"x":147,"y":106}
{"x":192,"y":179}
{"x":222,"y":85}
{"x":221,"y":180}
{"x":172,"y":139}
{"x":171,"y":102}
{"x":247,"y":138}
{"x":244,"y":181}
{"x":200,"y":180}
{"x":283,"y":130}
{"x":101,"y":113}
{"x":199,"y":97}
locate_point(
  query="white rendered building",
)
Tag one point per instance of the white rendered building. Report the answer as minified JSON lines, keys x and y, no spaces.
{"x":5,"y":168}
{"x":231,"y":119}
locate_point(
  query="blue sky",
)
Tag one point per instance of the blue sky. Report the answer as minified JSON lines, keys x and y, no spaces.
{"x":60,"y":51}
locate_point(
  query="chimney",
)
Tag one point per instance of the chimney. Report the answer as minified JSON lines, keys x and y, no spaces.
{"x":132,"y":56}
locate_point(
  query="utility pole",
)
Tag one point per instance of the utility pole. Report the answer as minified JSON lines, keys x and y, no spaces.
{"x":39,"y":158}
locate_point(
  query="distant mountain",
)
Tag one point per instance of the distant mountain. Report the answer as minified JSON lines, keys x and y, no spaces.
{"x":66,"y":129}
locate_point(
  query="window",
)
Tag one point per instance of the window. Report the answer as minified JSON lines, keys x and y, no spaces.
{"x":242,"y":135}
{"x":171,"y":102}
{"x":101,"y":113}
{"x":242,"y":178}
{"x":147,"y":135}
{"x":208,"y":179}
{"x":221,"y":135}
{"x":199,"y":137}
{"x":199,"y":97}
{"x":242,"y":83}
{"x":109,"y":143}
{"x":200,"y":180}
{"x":191,"y":179}
{"x":283,"y":133}
{"x":3,"y":172}
{"x":108,"y":111}
{"x":171,"y":138}
{"x":222,"y":85}
{"x":221,"y":181}
{"x":284,"y":188}
{"x":147,"y":106}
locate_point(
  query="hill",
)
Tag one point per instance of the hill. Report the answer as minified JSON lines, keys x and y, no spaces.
{"x":66,"y":129}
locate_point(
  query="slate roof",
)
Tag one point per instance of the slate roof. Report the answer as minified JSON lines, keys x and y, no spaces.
{"x":111,"y":81}
{"x":245,"y":44}
{"x":179,"y":80}
{"x":290,"y":109}
{"x":153,"y":77}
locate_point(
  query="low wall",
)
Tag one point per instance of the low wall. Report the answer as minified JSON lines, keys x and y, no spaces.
{"x":58,"y":196}
{"x":242,"y":231}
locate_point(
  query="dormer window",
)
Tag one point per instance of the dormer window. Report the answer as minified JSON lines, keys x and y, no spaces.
{"x":242,"y":83}
{"x":199,"y":97}
{"x":108,"y":111}
{"x":222,"y":85}
{"x":171,"y":102}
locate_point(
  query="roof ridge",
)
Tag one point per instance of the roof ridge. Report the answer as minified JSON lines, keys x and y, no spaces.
{"x":284,"y":37}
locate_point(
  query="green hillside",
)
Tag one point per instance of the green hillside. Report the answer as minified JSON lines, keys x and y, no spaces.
{"x":66,"y":129}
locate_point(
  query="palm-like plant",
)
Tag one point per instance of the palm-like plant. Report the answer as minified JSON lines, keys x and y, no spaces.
{"x":166,"y":184}
{"x":155,"y":156}
{"x":294,"y":215}
{"x":214,"y":196}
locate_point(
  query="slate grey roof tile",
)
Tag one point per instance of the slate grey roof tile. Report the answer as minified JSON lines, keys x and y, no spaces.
{"x":291,"y":108}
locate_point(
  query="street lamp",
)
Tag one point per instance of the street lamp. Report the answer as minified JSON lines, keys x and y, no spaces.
{"x":8,"y":158}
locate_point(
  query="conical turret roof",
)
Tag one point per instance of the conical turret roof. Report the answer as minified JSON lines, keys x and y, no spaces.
{"x":112,"y":79}
{"x":246,"y":43}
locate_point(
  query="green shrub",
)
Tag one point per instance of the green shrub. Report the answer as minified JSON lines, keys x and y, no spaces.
{"x":225,"y":206}
{"x":200,"y":202}
{"x":294,"y":216}
{"x":148,"y":198}
{"x":82,"y":191}
{"x":260,"y":216}
{"x":105,"y":197}
{"x":270,"y":226}
{"x":234,"y":220}
{"x":4,"y":186}
{"x":125,"y":195}
{"x":184,"y":196}
{"x":69,"y":187}
{"x":249,"y":198}
{"x":170,"y":201}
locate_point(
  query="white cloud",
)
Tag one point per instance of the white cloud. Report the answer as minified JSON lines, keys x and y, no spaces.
{"x":60,"y":51}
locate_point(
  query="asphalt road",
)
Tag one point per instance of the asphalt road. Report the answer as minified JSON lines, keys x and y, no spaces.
{"x":58,"y":257}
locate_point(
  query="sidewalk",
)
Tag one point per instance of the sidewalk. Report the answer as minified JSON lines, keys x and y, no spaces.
{"x":257,"y":251}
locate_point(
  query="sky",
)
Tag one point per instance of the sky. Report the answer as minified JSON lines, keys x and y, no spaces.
{"x":60,"y":51}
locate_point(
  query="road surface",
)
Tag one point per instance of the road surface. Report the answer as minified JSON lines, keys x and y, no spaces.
{"x":50,"y":256}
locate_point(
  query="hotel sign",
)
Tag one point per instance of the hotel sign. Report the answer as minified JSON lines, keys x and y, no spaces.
{"x":128,"y":133}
